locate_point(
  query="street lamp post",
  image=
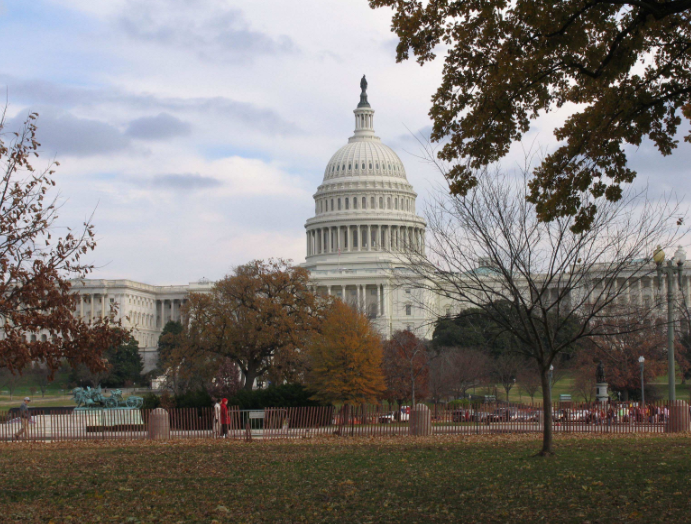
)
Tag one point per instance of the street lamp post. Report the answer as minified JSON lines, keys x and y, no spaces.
{"x":642,"y":361}
{"x":669,"y":271}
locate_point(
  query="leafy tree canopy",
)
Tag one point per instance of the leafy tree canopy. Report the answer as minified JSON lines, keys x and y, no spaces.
{"x":125,"y":364}
{"x":345,"y":358}
{"x":623,"y":65}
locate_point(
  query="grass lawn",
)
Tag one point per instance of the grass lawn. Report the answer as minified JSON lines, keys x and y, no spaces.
{"x":471,"y":479}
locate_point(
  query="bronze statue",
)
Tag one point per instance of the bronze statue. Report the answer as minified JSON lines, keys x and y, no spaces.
{"x":363,"y":95}
{"x":600,"y":376}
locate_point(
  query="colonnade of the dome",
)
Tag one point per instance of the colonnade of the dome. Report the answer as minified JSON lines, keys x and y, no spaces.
{"x":364,"y":237}
{"x":386,"y":202}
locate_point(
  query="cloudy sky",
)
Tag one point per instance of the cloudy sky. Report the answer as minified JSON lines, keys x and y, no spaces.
{"x":196,"y":131}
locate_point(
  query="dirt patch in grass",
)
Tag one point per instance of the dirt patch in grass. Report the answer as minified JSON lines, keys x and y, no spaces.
{"x":479,"y":478}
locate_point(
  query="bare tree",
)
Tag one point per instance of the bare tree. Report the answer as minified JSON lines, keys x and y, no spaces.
{"x":529,"y":381}
{"x":545,"y":284}
{"x":468,"y":368}
{"x":439,"y":381}
{"x":505,"y":370}
{"x":40,"y":376}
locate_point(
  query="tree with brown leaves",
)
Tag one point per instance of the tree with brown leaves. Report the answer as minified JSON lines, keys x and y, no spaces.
{"x":260,"y":317}
{"x":406,"y":367}
{"x":619,"y":353}
{"x":623,"y":67}
{"x":345,"y":358}
{"x":36,"y":295}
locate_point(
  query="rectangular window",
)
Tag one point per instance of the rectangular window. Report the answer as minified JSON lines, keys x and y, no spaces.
{"x":339,"y":204}
{"x":347,"y":204}
{"x":408,"y":310}
{"x":364,"y":202}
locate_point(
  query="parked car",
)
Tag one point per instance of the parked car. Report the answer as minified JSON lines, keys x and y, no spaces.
{"x":461,"y":415}
{"x":388,"y":418}
{"x":505,"y":414}
{"x":527,"y":416}
{"x":484,"y":417}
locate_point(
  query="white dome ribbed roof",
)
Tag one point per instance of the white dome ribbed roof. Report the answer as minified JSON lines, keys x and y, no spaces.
{"x":364,"y":157}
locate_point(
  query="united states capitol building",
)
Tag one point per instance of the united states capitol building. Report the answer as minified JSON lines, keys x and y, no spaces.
{"x":364,"y":216}
{"x":364,"y":220}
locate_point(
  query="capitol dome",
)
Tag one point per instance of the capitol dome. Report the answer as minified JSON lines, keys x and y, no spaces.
{"x":365,"y":207}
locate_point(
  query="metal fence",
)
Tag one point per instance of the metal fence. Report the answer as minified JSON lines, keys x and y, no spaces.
{"x":61,"y":424}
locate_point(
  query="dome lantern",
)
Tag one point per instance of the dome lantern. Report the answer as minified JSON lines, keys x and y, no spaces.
{"x":364,"y":115}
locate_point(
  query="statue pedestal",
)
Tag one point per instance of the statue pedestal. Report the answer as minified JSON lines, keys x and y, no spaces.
{"x":601,"y":394}
{"x":111,"y":419}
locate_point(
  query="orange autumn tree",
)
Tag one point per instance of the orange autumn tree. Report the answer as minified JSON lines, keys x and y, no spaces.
{"x":36,"y":295}
{"x":346,"y":358}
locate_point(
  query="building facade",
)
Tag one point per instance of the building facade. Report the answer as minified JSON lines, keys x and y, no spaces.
{"x":364,"y":222}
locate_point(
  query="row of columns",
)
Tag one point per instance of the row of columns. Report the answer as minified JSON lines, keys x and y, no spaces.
{"x":166,"y":309}
{"x":368,"y":237}
{"x":359,"y":299}
{"x":91,"y":300}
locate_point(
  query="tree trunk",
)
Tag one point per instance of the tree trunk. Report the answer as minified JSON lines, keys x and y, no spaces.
{"x":547,"y":411}
{"x":412,"y":380}
{"x":250,"y":376}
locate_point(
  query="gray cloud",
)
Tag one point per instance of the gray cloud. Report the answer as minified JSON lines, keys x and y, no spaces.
{"x":62,"y":133}
{"x":186,"y":182}
{"x":158,"y":127}
{"x":251,"y":116}
{"x":208,"y":28}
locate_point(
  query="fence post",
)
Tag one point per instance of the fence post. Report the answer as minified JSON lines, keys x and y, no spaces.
{"x":159,"y":425}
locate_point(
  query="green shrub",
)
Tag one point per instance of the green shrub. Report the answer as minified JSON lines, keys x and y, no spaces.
{"x":151,"y":401}
{"x":283,"y":396}
{"x":199,"y":398}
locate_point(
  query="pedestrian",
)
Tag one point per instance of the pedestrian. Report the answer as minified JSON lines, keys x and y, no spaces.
{"x":225,"y":418}
{"x":24,"y":417}
{"x":217,"y":418}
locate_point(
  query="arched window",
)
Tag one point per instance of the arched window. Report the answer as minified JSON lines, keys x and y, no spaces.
{"x":381,"y":202}
{"x":364,"y":202}
{"x":388,"y":202}
{"x":339,"y":204}
{"x":377,"y":165}
{"x":395,"y":203}
{"x":354,"y":202}
{"x":350,"y":166}
{"x":371,"y":203}
{"x":356,"y":164}
{"x":332,"y":204}
{"x":347,"y":203}
{"x":363,"y":165}
{"x":337,"y":168}
{"x":370,"y":165}
{"x":343,"y":167}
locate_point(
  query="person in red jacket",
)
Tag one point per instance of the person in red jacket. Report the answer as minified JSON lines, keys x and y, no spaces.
{"x":225,"y":417}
